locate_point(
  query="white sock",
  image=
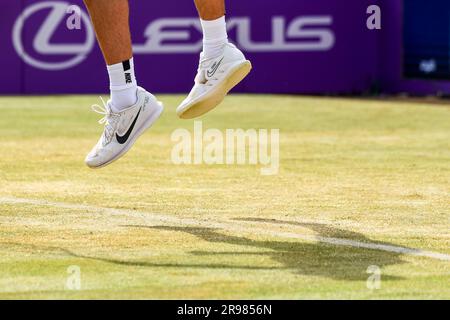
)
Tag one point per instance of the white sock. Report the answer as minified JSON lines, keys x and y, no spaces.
{"x":214,"y":37}
{"x":123,"y":85}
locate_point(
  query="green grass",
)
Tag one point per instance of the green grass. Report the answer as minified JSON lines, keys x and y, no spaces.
{"x":370,"y":171}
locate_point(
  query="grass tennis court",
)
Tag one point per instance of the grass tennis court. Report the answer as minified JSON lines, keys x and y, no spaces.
{"x":352,"y":172}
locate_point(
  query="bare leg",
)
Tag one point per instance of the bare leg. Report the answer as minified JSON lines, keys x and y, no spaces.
{"x":111,"y":23}
{"x":210,"y":9}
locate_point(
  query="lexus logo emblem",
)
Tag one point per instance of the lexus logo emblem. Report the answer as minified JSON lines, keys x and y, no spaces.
{"x":41,"y":42}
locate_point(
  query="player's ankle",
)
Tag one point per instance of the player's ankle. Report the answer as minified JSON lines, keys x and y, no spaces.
{"x":123,"y":99}
{"x":214,"y":37}
{"x":123,"y":85}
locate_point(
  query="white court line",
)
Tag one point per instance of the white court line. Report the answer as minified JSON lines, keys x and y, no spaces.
{"x":150,"y":217}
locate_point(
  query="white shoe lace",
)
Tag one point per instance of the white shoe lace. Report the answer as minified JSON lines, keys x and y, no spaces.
{"x":109,"y":120}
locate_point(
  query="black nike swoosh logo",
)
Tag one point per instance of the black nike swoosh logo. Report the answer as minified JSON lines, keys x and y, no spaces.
{"x":124,"y":138}
{"x":214,"y":68}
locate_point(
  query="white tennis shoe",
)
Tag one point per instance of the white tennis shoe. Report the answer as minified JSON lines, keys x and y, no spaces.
{"x":122,"y":129}
{"x":215,"y":78}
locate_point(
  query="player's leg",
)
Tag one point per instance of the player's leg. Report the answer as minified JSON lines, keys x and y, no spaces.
{"x":212,"y":18}
{"x":131,"y":110}
{"x":222,"y":66}
{"x":210,"y":9}
{"x":110,"y":20}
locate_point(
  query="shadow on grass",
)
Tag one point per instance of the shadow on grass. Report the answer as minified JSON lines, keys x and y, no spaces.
{"x":304,"y":258}
{"x":298,"y":257}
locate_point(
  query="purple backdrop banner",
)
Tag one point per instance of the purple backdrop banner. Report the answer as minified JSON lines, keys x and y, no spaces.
{"x":296,"y":46}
